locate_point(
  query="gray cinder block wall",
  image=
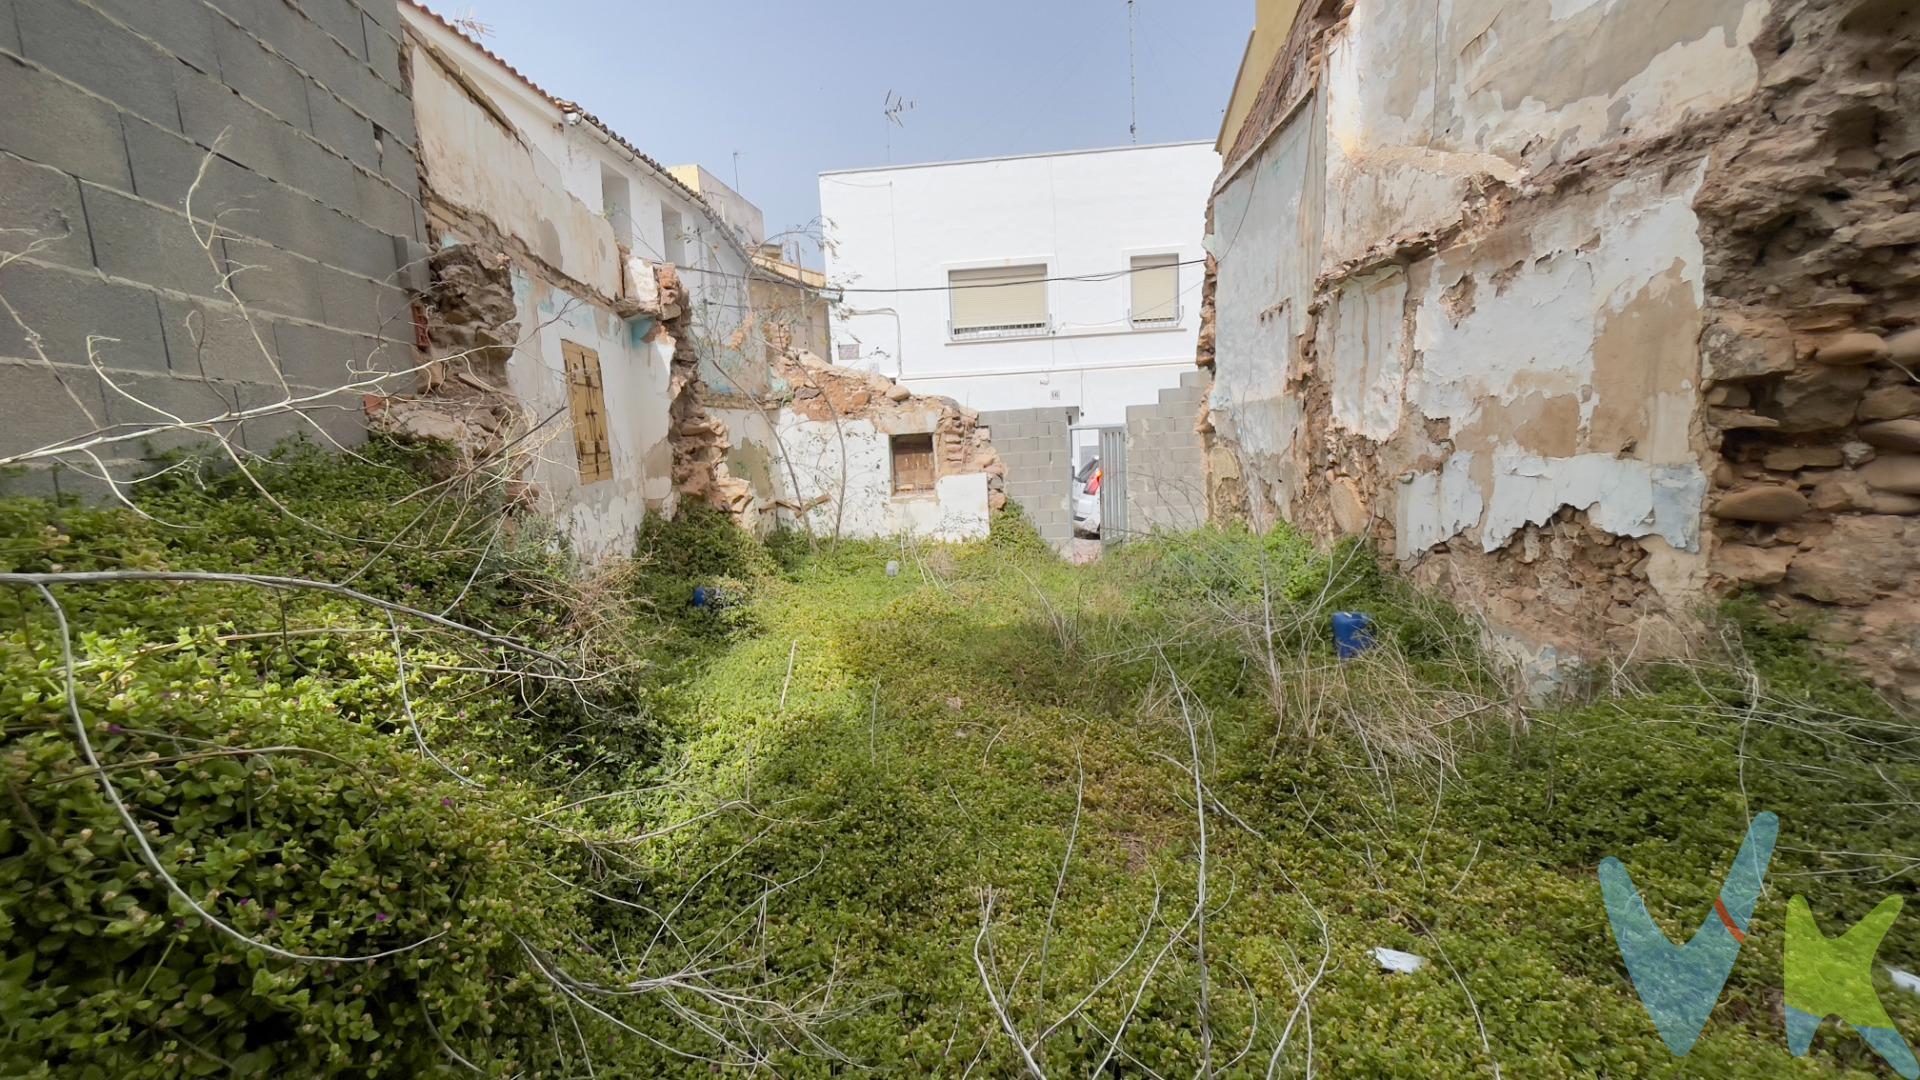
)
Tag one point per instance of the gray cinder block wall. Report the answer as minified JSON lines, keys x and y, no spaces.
{"x":1033,"y":445}
{"x":1166,"y":470}
{"x":290,"y":123}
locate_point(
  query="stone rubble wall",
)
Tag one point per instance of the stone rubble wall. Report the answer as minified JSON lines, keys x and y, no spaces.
{"x":1811,"y":349}
{"x":1587,"y":344}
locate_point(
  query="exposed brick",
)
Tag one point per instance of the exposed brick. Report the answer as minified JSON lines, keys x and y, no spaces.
{"x":46,"y":120}
{"x":210,"y":340}
{"x":41,"y":205}
{"x":89,"y":49}
{"x":342,"y":129}
{"x":67,"y":307}
{"x":182,"y":27}
{"x":266,"y":78}
{"x":132,"y":239}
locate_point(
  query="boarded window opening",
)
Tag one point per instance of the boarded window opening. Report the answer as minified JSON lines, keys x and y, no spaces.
{"x":586,"y":399}
{"x":912,"y":464}
{"x":1156,"y":290}
{"x":1000,"y":301}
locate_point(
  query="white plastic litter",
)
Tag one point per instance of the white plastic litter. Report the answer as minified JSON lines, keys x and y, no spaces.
{"x":1400,"y":963}
{"x":1905,"y":980}
{"x":893,"y":567}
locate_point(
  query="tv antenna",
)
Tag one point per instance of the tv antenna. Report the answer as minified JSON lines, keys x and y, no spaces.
{"x":1133,"y":109}
{"x":895,"y":106}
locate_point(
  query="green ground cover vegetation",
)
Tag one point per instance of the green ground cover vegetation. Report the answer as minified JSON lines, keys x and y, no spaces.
{"x":850,"y":823}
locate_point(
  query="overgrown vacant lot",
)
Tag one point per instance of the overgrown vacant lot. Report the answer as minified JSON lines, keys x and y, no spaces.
{"x":989,"y":815}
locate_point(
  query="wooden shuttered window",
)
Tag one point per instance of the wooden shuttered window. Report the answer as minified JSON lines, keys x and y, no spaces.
{"x":1156,"y":289}
{"x":998,"y":301}
{"x":587,"y":401}
{"x":912,"y":464}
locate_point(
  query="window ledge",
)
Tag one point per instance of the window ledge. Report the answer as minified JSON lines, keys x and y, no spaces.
{"x":988,"y":339}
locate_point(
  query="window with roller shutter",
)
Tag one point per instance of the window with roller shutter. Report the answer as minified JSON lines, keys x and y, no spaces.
{"x":1155,"y":282}
{"x":586,"y":400}
{"x":999,"y":301}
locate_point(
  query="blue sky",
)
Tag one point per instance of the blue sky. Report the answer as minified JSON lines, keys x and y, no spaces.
{"x":799,"y":87}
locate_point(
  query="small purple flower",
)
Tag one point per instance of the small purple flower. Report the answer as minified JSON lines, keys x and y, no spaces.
{"x":382,"y":917}
{"x":272,"y":914}
{"x":245,"y":900}
{"x":446,"y":802}
{"x":115,"y":729}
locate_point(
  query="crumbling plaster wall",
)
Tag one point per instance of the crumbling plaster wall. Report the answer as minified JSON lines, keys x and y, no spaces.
{"x":496,"y":200}
{"x":1465,"y":255}
{"x":834,"y":433}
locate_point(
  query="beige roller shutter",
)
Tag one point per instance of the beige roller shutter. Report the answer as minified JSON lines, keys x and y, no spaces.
{"x":1156,"y":288}
{"x":1001,"y":299}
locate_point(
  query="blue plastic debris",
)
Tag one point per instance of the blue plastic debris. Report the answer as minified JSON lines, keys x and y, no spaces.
{"x":1352,"y":633}
{"x":709,"y":596}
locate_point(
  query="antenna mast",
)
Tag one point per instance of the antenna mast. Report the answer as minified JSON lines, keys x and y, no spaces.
{"x":895,"y":106}
{"x":1133,"y":110}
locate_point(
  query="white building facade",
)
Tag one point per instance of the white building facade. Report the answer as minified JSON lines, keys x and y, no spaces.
{"x":1065,"y":280}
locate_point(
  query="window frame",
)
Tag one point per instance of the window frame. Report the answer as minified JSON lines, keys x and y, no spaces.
{"x":1134,"y":321}
{"x":893,"y":464}
{"x":587,"y":409}
{"x":1044,"y":268}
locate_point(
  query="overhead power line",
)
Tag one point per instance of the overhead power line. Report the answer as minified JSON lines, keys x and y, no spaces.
{"x":1107,"y":276}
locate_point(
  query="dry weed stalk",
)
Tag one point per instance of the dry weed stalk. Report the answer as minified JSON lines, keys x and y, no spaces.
{"x":701,"y":980}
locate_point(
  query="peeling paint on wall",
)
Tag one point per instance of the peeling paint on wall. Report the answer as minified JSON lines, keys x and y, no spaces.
{"x":1365,"y":347}
{"x":1620,"y":495}
{"x":1434,"y":506}
{"x":1661,"y":319}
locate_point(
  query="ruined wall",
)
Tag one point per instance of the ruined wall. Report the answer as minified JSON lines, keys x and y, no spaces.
{"x":1464,"y":274}
{"x":835,"y":431}
{"x":1811,"y":352}
{"x":112,"y":111}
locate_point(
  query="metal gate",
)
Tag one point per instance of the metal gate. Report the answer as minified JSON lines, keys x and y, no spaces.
{"x":1113,"y":484}
{"x":1111,"y":447}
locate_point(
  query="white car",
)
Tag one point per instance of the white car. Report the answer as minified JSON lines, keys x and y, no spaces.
{"x":1086,"y":499}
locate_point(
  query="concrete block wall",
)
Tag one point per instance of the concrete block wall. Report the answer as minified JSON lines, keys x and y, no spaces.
{"x":290,"y":124}
{"x":1166,"y":469}
{"x":1033,"y":445}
